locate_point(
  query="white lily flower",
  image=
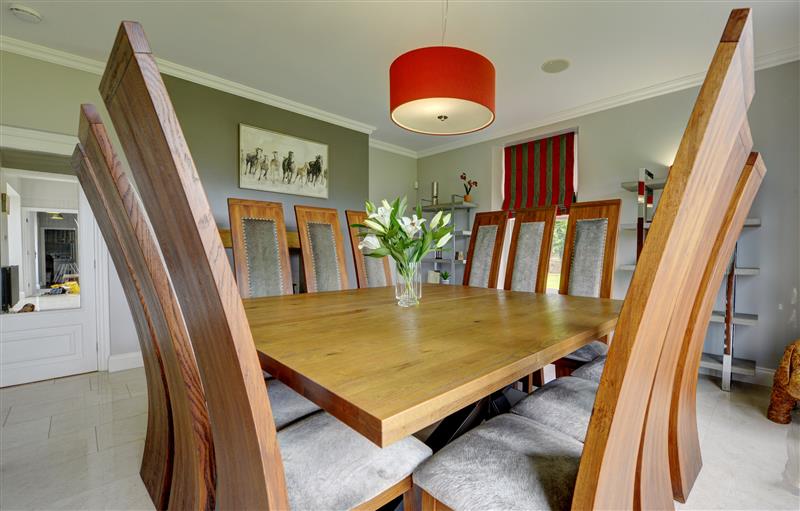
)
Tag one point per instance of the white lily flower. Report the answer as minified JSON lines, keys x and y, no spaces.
{"x":435,"y":220}
{"x":375,"y":226}
{"x":446,"y":219}
{"x":370,"y":242}
{"x":411,"y":226}
{"x":443,"y":240}
{"x":383,"y":215}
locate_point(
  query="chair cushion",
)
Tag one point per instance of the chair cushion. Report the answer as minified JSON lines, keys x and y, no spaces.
{"x":507,"y":463}
{"x":589,"y":352}
{"x":287,"y":405}
{"x":330,"y":466}
{"x":564,"y":404}
{"x":591,"y":371}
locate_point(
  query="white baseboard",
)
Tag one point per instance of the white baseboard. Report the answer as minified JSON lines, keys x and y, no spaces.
{"x":763,"y":376}
{"x":125,"y":361}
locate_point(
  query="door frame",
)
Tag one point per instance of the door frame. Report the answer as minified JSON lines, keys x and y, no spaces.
{"x":57,"y":143}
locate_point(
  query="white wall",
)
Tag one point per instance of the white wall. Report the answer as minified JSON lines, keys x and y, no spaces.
{"x":391,"y":175}
{"x":614,"y":143}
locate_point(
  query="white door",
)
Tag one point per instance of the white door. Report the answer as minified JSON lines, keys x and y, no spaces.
{"x":60,"y":337}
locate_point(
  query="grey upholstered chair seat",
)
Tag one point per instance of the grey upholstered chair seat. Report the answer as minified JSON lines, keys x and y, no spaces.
{"x":589,"y":352}
{"x":564,"y":404}
{"x":287,"y":405}
{"x":507,"y":463}
{"x":329,"y":466}
{"x":591,"y":371}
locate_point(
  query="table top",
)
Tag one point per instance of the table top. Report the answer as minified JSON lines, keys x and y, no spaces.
{"x":389,"y":371}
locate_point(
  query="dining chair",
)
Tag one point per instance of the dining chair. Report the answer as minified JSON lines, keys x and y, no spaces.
{"x":370,"y":271}
{"x":182,"y":424}
{"x":260,"y":249}
{"x":515,"y":462}
{"x":321,"y":249}
{"x":565,"y":403}
{"x":587,"y":267}
{"x":529,"y":251}
{"x":316,"y":463}
{"x":131,"y":243}
{"x":485,"y":249}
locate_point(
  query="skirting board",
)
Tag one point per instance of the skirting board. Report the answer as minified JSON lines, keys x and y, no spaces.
{"x":125,"y":361}
{"x":763,"y":376}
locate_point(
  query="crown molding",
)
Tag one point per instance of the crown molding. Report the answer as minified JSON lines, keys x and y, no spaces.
{"x":768,"y":60}
{"x":392,"y":148}
{"x":37,"y":141}
{"x":97,"y":67}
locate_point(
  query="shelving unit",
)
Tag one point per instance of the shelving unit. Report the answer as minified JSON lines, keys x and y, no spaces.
{"x":726,"y":363}
{"x":461,"y":232}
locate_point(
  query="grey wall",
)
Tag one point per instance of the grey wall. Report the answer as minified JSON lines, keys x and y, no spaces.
{"x":391,"y":175}
{"x":614,"y":143}
{"x":210,"y":121}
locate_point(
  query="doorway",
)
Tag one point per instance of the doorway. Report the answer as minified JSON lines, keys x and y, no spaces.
{"x":51,"y":318}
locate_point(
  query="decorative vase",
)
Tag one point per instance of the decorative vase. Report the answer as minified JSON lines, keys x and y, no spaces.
{"x":467,"y":198}
{"x":408,"y":285}
{"x":446,"y":282}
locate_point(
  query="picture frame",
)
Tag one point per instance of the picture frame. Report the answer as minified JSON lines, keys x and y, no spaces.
{"x":275,"y":162}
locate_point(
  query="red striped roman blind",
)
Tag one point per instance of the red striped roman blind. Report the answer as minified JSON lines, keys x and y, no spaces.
{"x":540,"y":173}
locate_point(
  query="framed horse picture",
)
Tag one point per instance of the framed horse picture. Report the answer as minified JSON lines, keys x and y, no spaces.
{"x":274,"y":162}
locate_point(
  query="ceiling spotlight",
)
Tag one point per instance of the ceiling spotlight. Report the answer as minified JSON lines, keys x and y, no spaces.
{"x":25,"y":13}
{"x":555,"y":66}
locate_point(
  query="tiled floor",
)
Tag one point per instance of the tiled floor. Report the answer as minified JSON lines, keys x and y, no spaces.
{"x":76,"y":443}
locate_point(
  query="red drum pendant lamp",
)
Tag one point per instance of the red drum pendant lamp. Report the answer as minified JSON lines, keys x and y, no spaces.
{"x":442,"y":90}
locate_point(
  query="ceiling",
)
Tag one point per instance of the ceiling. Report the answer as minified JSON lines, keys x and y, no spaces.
{"x":335,"y":56}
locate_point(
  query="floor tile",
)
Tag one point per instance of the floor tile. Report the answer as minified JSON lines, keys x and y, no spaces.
{"x":33,"y":456}
{"x":23,"y":413}
{"x":22,"y":433}
{"x":121,"y":432}
{"x":126,"y":493}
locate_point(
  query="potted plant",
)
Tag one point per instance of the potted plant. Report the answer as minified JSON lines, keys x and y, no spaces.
{"x":386,"y":232}
{"x":445,"y":276}
{"x":469,"y":184}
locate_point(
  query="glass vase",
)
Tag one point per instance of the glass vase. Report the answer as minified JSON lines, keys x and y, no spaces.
{"x":408,"y":285}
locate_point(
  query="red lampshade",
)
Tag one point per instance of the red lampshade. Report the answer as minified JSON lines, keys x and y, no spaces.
{"x":441,"y":90}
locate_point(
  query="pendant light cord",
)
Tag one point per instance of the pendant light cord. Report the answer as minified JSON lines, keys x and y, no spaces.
{"x":445,"y":9}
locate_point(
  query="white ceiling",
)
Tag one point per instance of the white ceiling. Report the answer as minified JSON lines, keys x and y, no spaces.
{"x":335,"y":56}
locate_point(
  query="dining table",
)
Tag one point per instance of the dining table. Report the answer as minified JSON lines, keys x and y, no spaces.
{"x":389,"y":371}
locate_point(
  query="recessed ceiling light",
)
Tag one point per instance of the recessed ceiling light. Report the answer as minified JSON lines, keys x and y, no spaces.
{"x":25,"y":13}
{"x":555,"y":66}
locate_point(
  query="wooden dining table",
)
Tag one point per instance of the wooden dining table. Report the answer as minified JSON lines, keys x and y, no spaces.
{"x":389,"y":371}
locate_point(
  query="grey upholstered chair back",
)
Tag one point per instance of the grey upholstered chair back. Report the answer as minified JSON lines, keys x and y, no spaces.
{"x":370,"y":271}
{"x":260,"y":251}
{"x":589,"y":248}
{"x":485,"y":247}
{"x":321,"y":246}
{"x":529,"y":250}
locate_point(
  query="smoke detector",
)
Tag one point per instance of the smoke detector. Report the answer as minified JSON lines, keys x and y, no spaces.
{"x":25,"y":13}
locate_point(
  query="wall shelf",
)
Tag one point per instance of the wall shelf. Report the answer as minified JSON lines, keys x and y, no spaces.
{"x":631,"y":226}
{"x":739,"y":272}
{"x":655,"y":184}
{"x":449,"y":205}
{"x":738,"y":365}
{"x":739,"y":318}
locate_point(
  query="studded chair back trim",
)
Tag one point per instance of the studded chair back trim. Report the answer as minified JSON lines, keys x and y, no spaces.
{"x":529,"y":250}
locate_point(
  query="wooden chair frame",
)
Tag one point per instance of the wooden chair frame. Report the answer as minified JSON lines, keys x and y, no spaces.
{"x":311,"y":214}
{"x":358,"y":217}
{"x":546,"y":215}
{"x":240,"y":209}
{"x":608,"y":209}
{"x":684,"y":443}
{"x":159,"y":323}
{"x":249,"y":467}
{"x":499,"y":219}
{"x":706,"y":169}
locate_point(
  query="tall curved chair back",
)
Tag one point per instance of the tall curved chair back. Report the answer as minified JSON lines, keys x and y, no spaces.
{"x":485,"y":249}
{"x":370,"y":271}
{"x":529,"y":251}
{"x":249,"y":467}
{"x":677,"y":372}
{"x":709,"y":161}
{"x":587,"y":267}
{"x":322,"y":248}
{"x":146,"y":283}
{"x":260,"y":249}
